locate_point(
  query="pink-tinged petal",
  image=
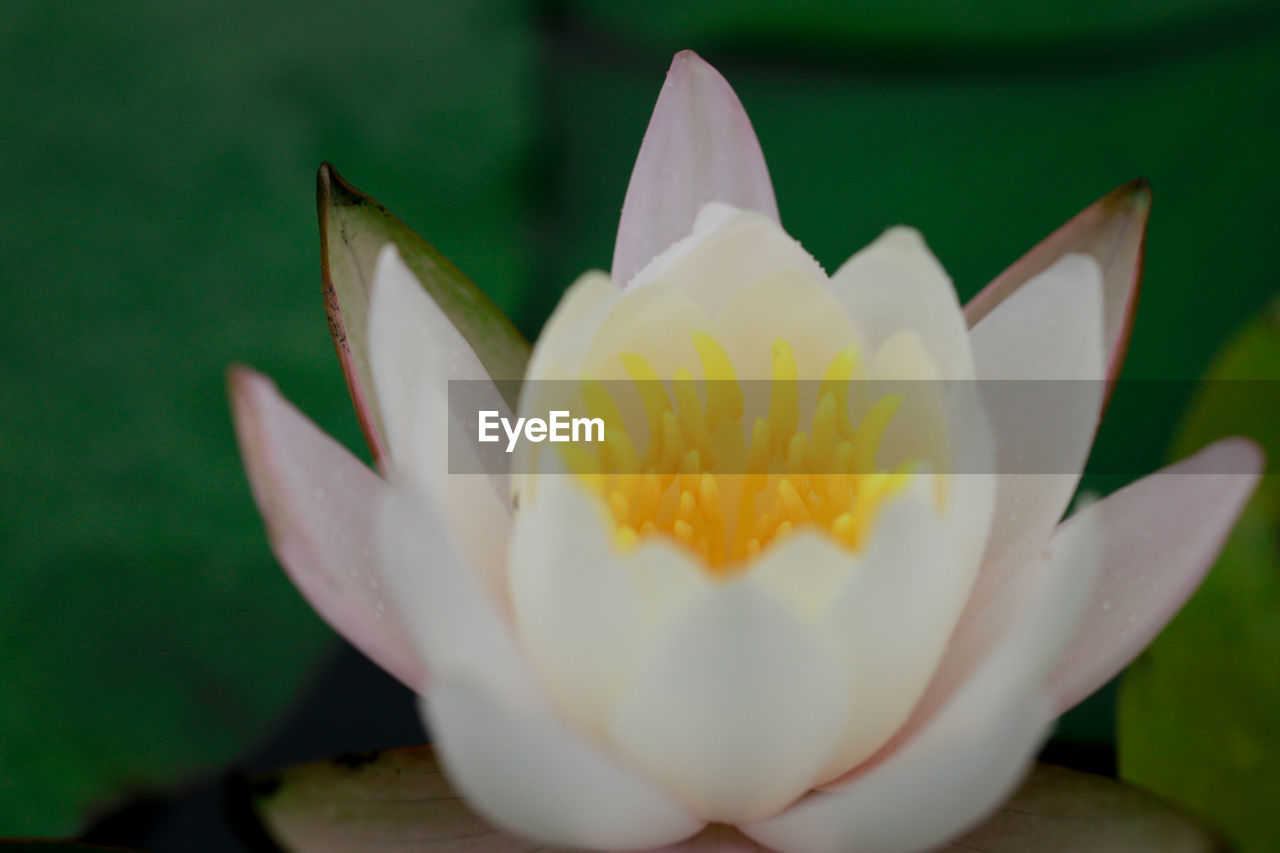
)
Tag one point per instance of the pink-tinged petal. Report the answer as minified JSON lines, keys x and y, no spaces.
{"x":1113,"y":231}
{"x":1040,"y":365}
{"x":353,"y":230}
{"x":319,"y":503}
{"x":1160,"y":536}
{"x":699,"y":148}
{"x":966,"y":748}
{"x":523,"y":770}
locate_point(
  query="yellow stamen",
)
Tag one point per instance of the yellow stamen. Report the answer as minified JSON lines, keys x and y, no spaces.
{"x":836,"y":382}
{"x":724,"y":395}
{"x":867,"y":439}
{"x":693,"y":423}
{"x":784,"y":403}
{"x":652,"y":395}
{"x":822,"y":477}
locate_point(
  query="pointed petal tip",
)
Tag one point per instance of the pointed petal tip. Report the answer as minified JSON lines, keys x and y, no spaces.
{"x":1113,"y":230}
{"x":333,"y":189}
{"x":1162,"y":534}
{"x":1132,"y":197}
{"x":699,"y":148}
{"x":687,"y":62}
{"x":688,"y":68}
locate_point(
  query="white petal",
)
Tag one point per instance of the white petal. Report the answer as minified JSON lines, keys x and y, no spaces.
{"x":942,"y":425}
{"x":730,"y":249}
{"x":946,"y":772}
{"x":896,"y":285}
{"x":1040,"y":363}
{"x":450,"y":616}
{"x":526,"y":773}
{"x":893,"y":620}
{"x":416,"y":351}
{"x":927,"y":795}
{"x":501,"y":744}
{"x":1050,"y":328}
{"x":736,"y":707}
{"x":1112,"y":231}
{"x":699,"y":148}
{"x":796,"y":306}
{"x":1160,"y":536}
{"x":320,"y":505}
{"x":585,"y":611}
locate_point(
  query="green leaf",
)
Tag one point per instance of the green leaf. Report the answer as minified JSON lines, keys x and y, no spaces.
{"x":397,"y":798}
{"x":353,"y":229}
{"x":1199,"y":711}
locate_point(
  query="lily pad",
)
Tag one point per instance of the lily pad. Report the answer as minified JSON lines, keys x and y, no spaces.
{"x":400,"y":798}
{"x":1199,"y":713}
{"x":167,"y":230}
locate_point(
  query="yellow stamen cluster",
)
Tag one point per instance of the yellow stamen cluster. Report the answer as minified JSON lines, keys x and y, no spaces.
{"x":725,"y":490}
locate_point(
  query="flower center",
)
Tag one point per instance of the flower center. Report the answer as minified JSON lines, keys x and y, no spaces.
{"x":726,"y":485}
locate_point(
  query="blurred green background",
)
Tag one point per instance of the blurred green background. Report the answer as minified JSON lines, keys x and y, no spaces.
{"x":160,"y":162}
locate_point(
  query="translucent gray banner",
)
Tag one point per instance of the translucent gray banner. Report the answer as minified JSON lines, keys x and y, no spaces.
{"x":860,"y":427}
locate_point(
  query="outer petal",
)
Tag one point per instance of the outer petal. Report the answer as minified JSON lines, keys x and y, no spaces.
{"x":500,"y":742}
{"x":416,"y":353}
{"x":1040,"y":363}
{"x":319,"y":503}
{"x":353,"y":230}
{"x":895,"y":285}
{"x":1112,"y":231}
{"x":454,"y":625}
{"x":1159,"y":537}
{"x":962,"y":761}
{"x":699,"y":148}
{"x":736,"y":706}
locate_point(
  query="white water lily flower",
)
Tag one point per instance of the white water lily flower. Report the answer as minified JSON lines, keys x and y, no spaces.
{"x":829,"y":658}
